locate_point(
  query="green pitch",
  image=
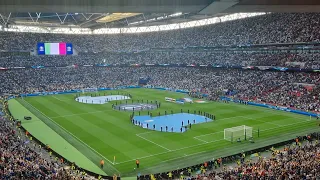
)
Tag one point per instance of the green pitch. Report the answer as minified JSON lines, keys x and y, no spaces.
{"x":100,"y":132}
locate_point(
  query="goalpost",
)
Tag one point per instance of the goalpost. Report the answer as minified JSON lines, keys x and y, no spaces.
{"x":238,"y":133}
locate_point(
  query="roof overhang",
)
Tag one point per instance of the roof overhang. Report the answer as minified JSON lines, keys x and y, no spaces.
{"x":115,"y":17}
{"x":103,"y":6}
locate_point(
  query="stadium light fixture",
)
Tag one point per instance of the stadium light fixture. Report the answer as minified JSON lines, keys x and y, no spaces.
{"x":115,"y":17}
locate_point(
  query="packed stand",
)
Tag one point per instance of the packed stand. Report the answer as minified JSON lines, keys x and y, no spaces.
{"x":290,"y":89}
{"x":23,"y":157}
{"x":269,"y":28}
{"x":296,"y":90}
{"x":291,"y":161}
{"x":224,"y":58}
{"x":19,"y":160}
{"x":301,"y":161}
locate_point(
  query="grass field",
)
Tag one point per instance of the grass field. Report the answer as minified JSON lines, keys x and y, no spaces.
{"x":98,"y":131}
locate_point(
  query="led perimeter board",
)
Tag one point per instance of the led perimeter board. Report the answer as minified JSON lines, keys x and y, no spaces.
{"x":61,"y":48}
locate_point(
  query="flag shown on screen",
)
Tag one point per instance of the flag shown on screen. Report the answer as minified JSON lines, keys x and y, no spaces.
{"x":54,"y":48}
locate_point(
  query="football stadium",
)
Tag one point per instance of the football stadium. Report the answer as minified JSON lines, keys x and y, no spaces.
{"x":152,"y":90}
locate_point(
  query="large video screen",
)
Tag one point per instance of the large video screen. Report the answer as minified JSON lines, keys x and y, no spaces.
{"x":61,"y":48}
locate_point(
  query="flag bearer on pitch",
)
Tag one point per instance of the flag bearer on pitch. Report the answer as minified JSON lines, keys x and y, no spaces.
{"x":137,"y":163}
{"x":101,"y":163}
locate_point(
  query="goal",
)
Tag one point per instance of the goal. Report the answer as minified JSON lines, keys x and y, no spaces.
{"x":238,"y":133}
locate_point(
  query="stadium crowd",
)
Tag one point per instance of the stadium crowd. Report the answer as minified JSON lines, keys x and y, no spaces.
{"x":292,"y":161}
{"x":225,"y":58}
{"x":22,"y":158}
{"x":289,"y":89}
{"x":270,"y":28}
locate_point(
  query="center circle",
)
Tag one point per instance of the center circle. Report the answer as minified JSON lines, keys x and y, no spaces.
{"x":135,"y":107}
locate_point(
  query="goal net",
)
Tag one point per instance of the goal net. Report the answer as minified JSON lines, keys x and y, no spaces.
{"x":238,"y":133}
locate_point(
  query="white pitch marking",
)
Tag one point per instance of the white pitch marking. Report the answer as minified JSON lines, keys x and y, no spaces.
{"x":57,"y":98}
{"x":208,"y":134}
{"x":180,"y":157}
{"x":170,"y":151}
{"x":262,"y":121}
{"x":73,"y":135}
{"x":153,"y":142}
{"x":145,"y":133}
{"x":152,"y":155}
{"x":200,"y":139}
{"x":175,"y":149}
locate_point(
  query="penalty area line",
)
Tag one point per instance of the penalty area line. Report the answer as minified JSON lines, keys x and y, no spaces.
{"x":180,"y":157}
{"x":152,"y":155}
{"x":200,"y":144}
{"x":145,"y":133}
{"x":139,"y":135}
{"x":196,"y":137}
{"x":200,"y":140}
{"x":263,"y":121}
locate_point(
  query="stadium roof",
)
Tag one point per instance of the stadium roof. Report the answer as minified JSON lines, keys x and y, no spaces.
{"x":96,"y":14}
{"x":98,"y":20}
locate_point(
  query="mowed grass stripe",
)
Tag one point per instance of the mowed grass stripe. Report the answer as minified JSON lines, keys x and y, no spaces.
{"x":273,"y":112}
{"x":131,"y":142}
{"x":197,"y":150}
{"x":117,"y":126}
{"x":76,"y":107}
{"x":89,"y":131}
{"x":110,"y":140}
{"x":120,"y":155}
{"x":71,"y":138}
{"x":265,"y":132}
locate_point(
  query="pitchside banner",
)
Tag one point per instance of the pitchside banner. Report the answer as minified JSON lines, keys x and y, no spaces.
{"x":179,"y":101}
{"x":61,"y":48}
{"x":170,"y":99}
